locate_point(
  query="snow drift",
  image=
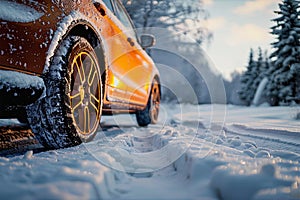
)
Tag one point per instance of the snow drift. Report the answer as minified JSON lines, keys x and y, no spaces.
{"x":194,"y":159}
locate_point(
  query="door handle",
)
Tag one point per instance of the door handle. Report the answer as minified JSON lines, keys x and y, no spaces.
{"x":130,"y":41}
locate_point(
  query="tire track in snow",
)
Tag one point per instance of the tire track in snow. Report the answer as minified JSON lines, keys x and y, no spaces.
{"x":141,"y":150}
{"x":272,"y":139}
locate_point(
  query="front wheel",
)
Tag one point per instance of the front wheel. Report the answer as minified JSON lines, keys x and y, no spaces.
{"x":71,"y":110}
{"x":150,"y":114}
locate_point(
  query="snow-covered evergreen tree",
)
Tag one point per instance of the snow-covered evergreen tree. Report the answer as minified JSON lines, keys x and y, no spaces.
{"x":258,"y":70}
{"x":284,"y":73}
{"x":232,"y":88}
{"x":267,"y":65}
{"x":251,"y":78}
{"x":262,"y":68}
{"x":247,"y":80}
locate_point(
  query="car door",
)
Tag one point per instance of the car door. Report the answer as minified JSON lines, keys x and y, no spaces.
{"x":117,"y":57}
{"x":138,"y":71}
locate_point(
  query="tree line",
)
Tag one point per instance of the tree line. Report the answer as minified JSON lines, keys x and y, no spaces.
{"x":280,"y":70}
{"x":282,"y":67}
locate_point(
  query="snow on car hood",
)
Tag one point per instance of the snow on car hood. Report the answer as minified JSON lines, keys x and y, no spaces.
{"x":15,"y":12}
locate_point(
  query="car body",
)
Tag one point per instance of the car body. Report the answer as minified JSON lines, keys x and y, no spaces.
{"x":90,"y":49}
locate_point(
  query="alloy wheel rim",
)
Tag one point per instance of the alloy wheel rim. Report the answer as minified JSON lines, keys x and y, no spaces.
{"x":85,"y":93}
{"x":155,"y":102}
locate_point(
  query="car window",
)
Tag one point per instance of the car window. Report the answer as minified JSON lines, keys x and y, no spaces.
{"x":108,"y":5}
{"x":123,"y":17}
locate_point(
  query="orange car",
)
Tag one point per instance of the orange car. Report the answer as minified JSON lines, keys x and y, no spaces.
{"x":68,"y":62}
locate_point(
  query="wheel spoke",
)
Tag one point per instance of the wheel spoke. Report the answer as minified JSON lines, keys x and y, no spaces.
{"x":87,"y":64}
{"x":93,"y":78}
{"x":81,"y":69}
{"x":93,"y":116}
{"x":92,"y":73}
{"x":86,"y":120}
{"x":80,"y":122}
{"x":74,"y":96}
{"x":95,"y":98}
{"x":76,"y":106}
{"x":94,"y":106}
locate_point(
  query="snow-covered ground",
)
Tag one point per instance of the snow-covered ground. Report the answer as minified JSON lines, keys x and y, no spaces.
{"x":195,"y":152}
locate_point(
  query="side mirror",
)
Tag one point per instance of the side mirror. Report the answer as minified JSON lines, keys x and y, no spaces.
{"x":147,"y":40}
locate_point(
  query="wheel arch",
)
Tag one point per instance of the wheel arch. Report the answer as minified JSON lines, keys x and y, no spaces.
{"x":86,"y":30}
{"x":82,"y":28}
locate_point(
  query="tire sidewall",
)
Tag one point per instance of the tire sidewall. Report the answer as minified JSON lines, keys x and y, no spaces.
{"x":82,"y":45}
{"x":144,"y":117}
{"x":50,"y":117}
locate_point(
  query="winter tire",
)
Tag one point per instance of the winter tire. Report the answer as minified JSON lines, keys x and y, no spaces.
{"x":150,"y":114}
{"x":71,"y":110}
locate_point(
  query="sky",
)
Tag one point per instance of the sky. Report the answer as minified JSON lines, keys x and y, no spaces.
{"x":237,"y":26}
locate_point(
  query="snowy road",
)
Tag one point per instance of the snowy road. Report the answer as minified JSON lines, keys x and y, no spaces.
{"x":195,"y":152}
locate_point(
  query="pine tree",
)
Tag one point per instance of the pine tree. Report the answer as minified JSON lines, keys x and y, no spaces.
{"x":284,"y":82}
{"x":247,"y":91}
{"x":262,"y":68}
{"x":259,"y":70}
{"x":267,"y":65}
